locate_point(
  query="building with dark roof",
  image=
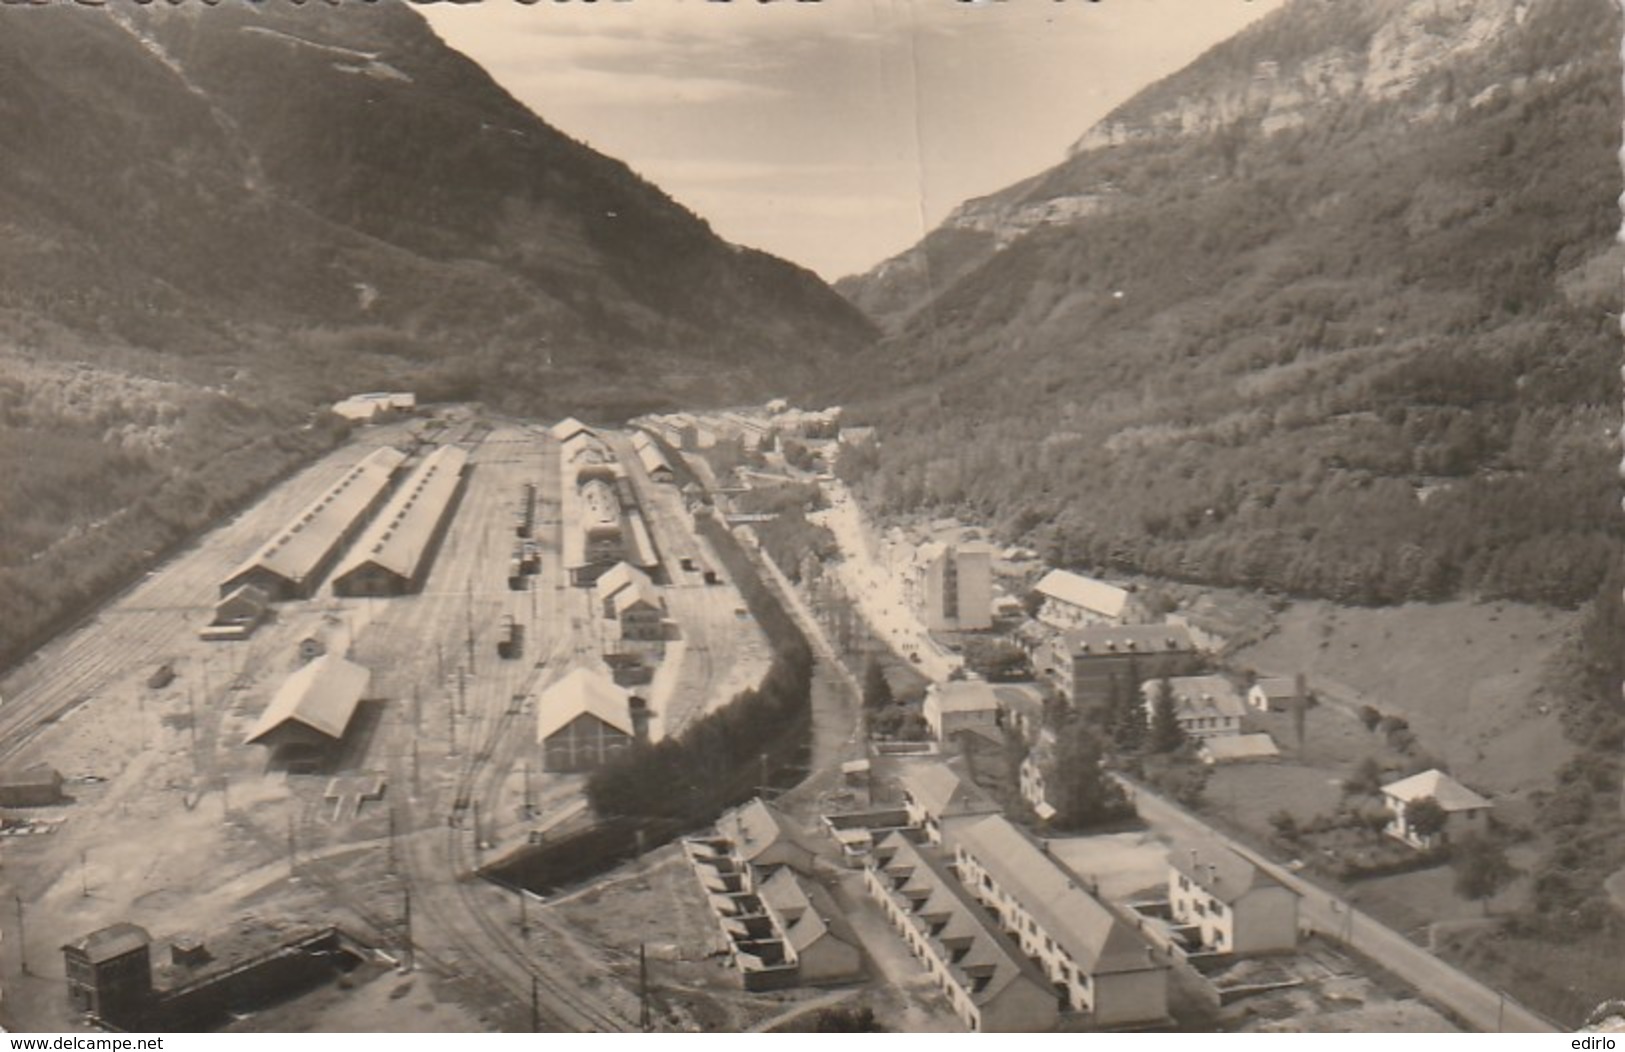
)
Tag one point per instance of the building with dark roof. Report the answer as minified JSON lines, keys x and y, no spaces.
{"x":38,"y":785}
{"x":292,"y":564}
{"x":394,"y":555}
{"x":109,"y":973}
{"x":989,"y":982}
{"x":1083,"y":664}
{"x":1101,"y":965}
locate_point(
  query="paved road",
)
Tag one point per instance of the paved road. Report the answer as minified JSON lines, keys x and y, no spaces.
{"x":878,"y":592}
{"x":1481,"y":1007}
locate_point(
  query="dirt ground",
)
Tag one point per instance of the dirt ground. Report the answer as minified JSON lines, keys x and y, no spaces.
{"x":658,"y":903}
{"x":163,"y":787}
{"x":1333,"y":997}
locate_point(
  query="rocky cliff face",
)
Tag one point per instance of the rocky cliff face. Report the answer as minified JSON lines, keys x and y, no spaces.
{"x":1344,"y":286}
{"x":1414,"y":60}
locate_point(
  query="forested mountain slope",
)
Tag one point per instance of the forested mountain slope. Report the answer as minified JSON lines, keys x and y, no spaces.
{"x":1331,"y":311}
{"x":217,"y":218}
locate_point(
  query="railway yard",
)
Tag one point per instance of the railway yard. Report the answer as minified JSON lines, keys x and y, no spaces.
{"x":173,"y":821}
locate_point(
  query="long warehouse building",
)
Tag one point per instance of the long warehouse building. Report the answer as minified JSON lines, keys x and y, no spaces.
{"x":394,"y":555}
{"x":292,"y":564}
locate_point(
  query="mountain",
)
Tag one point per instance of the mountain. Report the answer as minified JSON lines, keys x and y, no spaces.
{"x":330,"y":186}
{"x":215,"y":218}
{"x":1330,"y":311}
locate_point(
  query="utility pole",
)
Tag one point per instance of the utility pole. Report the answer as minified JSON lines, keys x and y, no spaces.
{"x":451,"y":714}
{"x":530,"y":807}
{"x":225,"y":798}
{"x":392,"y":840}
{"x":462,"y":697}
{"x":22,"y":935}
{"x":645,"y":1018}
{"x":407,"y":911}
{"x":475,"y":806}
{"x":84,"y":874}
{"x":417,"y":787}
{"x":535,"y":1006}
{"x":524,"y":918}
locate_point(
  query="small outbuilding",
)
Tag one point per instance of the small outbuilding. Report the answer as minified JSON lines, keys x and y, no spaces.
{"x":109,"y":973}
{"x":39,"y":785}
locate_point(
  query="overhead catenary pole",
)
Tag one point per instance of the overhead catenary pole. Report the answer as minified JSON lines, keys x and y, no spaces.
{"x":406,"y":910}
{"x":22,"y":936}
{"x":535,"y":1005}
{"x":645,"y":1017}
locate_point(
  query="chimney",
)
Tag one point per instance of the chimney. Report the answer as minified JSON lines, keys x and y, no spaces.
{"x":1212,"y":875}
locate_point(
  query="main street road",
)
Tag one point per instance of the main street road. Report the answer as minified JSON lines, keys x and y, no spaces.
{"x":1478,"y":1005}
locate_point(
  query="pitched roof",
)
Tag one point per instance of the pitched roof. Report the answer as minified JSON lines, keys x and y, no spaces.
{"x":617,"y":577}
{"x":1451,"y":794}
{"x":399,"y":538}
{"x":966,"y":695}
{"x":115,"y":940}
{"x":1089,"y":932}
{"x":295,"y":551}
{"x":639,"y":591}
{"x":569,"y":427}
{"x":1217,"y":869}
{"x":1096,"y":640}
{"x":252,"y":594}
{"x":1086,"y":592}
{"x":1240,"y":747}
{"x":942,"y":792}
{"x":321,"y":695}
{"x":990,"y":960}
{"x":35,"y":775}
{"x":806,"y":909}
{"x":1277,"y":686}
{"x":755,"y":827}
{"x":1201,"y":696}
{"x":582,"y":691}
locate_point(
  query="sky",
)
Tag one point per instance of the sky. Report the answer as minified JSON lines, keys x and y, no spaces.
{"x":834,"y":133}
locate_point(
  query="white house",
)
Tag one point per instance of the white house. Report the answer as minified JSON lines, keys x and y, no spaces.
{"x":1230,"y":904}
{"x":1273,"y":694}
{"x":1072,"y":601}
{"x":966,"y":705}
{"x":1465,"y":811}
